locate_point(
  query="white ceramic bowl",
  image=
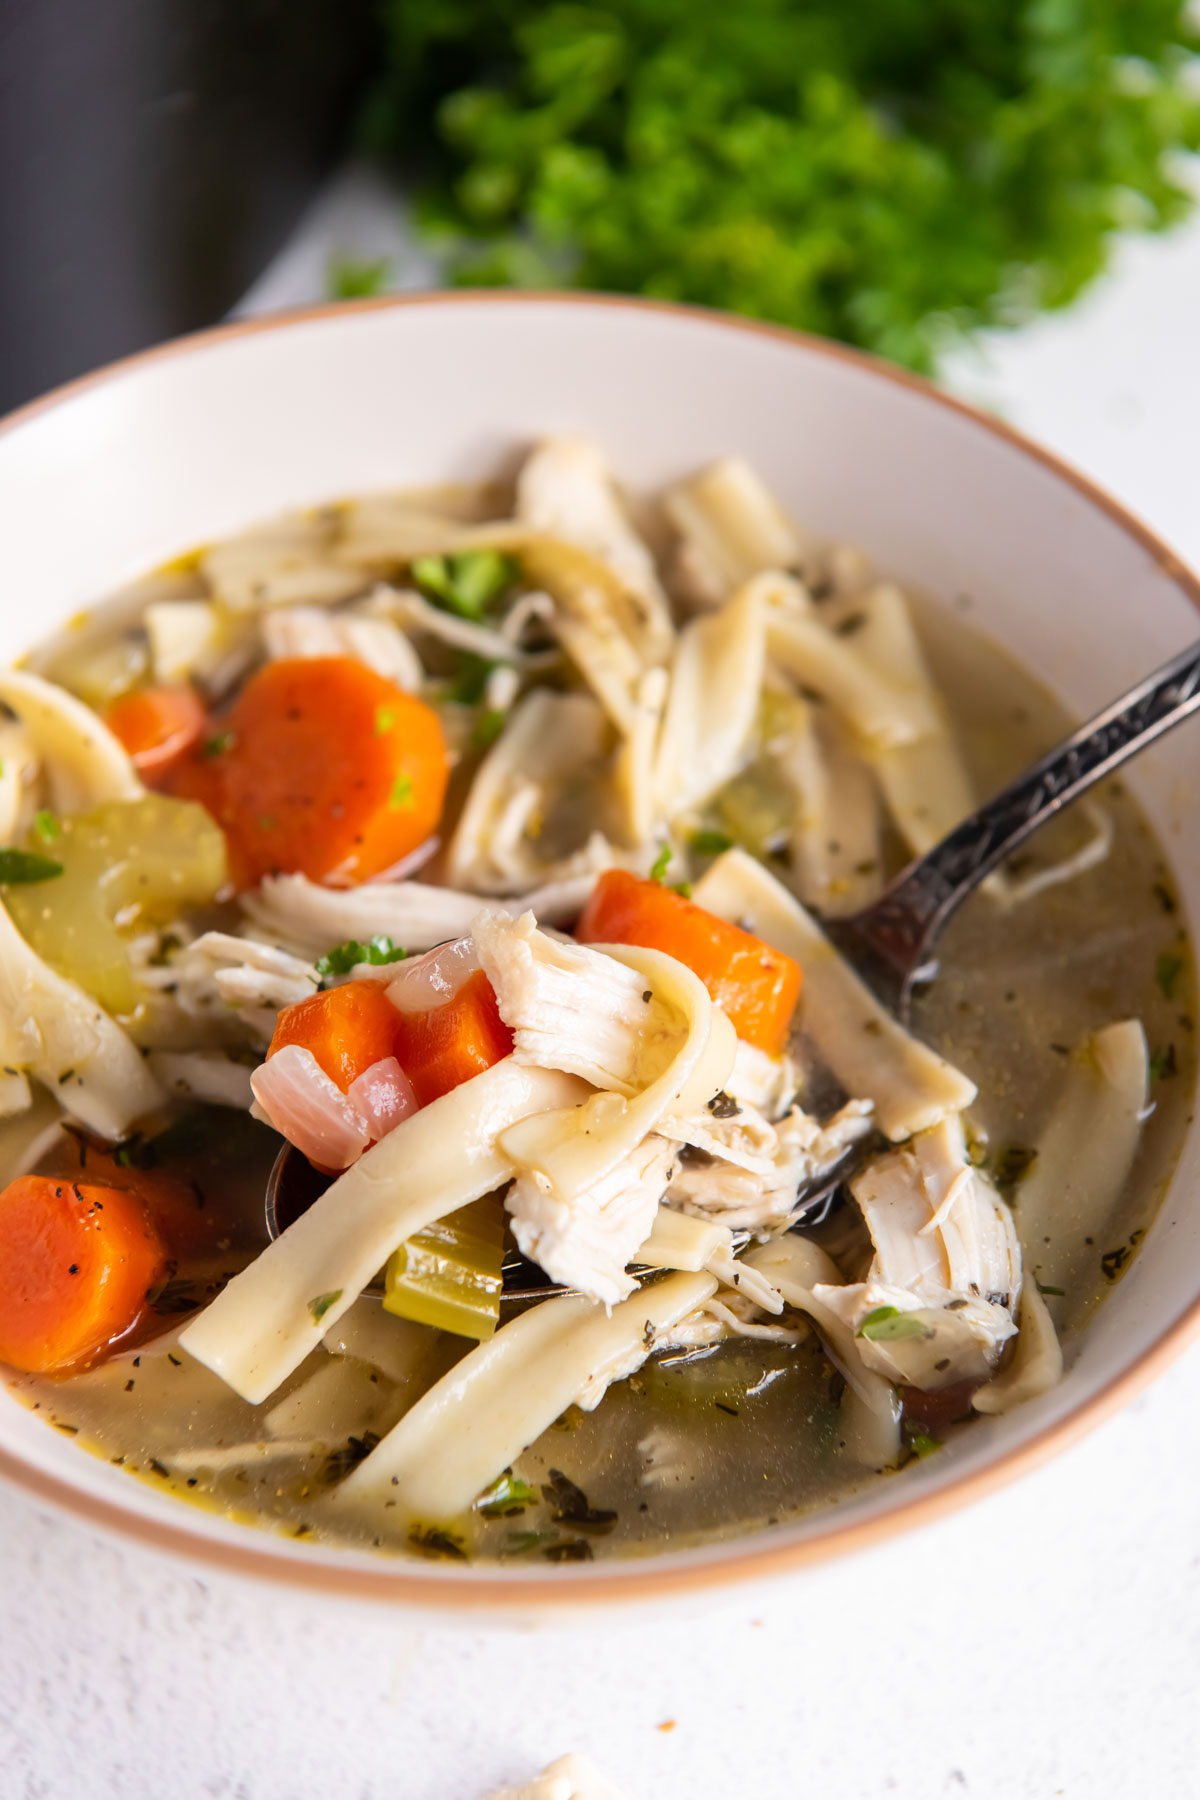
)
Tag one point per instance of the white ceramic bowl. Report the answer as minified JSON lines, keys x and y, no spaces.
{"x":132,"y":466}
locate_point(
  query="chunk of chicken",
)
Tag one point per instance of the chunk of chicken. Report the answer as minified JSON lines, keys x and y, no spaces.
{"x":219,"y":971}
{"x":414,"y":914}
{"x":311,"y":631}
{"x":571,"y":1007}
{"x":947,"y":1267}
{"x":587,"y":1244}
{"x":769,"y":1083}
{"x":761,"y":1198}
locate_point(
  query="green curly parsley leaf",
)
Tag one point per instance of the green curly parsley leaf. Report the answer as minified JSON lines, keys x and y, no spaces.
{"x":887,"y":1325}
{"x":24,"y":866}
{"x":467,"y":584}
{"x":888,"y":176}
{"x":347,"y":956}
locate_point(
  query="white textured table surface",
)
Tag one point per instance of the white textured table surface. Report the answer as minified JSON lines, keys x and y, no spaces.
{"x":1045,"y":1643}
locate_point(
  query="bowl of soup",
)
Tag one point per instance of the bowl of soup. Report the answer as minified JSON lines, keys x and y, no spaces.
{"x":443,"y":1157}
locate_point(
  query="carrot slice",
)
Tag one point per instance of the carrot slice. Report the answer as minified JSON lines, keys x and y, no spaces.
{"x":175,"y":1206}
{"x":158,"y":726}
{"x":441,"y":1048}
{"x":325,"y":769}
{"x":75,"y":1264}
{"x":347,"y":1029}
{"x":755,"y":985}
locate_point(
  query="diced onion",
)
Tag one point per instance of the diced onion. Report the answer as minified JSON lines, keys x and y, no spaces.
{"x":309,"y":1110}
{"x":430,"y":981}
{"x":383,"y":1094}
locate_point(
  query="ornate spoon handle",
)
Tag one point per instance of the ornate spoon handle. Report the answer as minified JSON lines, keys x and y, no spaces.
{"x":903,"y":925}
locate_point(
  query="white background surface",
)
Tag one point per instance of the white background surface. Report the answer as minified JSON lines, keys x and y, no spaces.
{"x":1044,"y":1643}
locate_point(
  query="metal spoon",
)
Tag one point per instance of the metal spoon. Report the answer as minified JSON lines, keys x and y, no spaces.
{"x":891,"y":942}
{"x":293,"y":1185}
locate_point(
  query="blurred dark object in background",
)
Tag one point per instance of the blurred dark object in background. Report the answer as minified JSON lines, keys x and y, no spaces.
{"x":153,"y":156}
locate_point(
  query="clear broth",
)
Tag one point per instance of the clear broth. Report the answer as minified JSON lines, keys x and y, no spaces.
{"x":712,"y":1446}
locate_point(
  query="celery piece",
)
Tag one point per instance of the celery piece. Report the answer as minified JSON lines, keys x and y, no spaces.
{"x":448,"y":1275}
{"x":126,"y":865}
{"x":100,"y":674}
{"x":757,"y":809}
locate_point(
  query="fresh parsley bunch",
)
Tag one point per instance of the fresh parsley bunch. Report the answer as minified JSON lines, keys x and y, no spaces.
{"x":887,"y":172}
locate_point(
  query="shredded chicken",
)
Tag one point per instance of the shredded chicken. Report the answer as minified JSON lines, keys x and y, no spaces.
{"x":730,"y":1315}
{"x":710,"y":1323}
{"x":803,"y":1151}
{"x":742,"y":1137}
{"x":311,"y":631}
{"x":206,"y":1075}
{"x":947,"y":1270}
{"x":219,"y":971}
{"x":414,"y":914}
{"x":587,"y":1244}
{"x":571,"y":1007}
{"x":770,"y":1083}
{"x":404,"y":607}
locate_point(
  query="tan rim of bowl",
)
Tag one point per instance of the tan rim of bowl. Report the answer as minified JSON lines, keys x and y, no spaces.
{"x":614,"y":1584}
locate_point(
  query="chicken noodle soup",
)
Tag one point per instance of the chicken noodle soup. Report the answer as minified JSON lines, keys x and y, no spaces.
{"x":476,"y":844}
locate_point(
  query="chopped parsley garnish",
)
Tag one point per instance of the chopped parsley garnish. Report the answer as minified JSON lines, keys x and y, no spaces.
{"x":26,"y":866}
{"x":321,"y":1305}
{"x":1163,"y":1064}
{"x":217,"y":746}
{"x":1011,"y":1164}
{"x":683,"y":889}
{"x":1057,"y":1292}
{"x":1114,"y":1262}
{"x":347,"y":956}
{"x":402,"y":795}
{"x":661,"y":863}
{"x":175,"y":1296}
{"x":506,"y":1496}
{"x":432,"y":1541}
{"x":1167,"y":970}
{"x":338,"y":1463}
{"x":47,"y":826}
{"x":517,"y":1542}
{"x":569,"y":1505}
{"x":710,"y":843}
{"x":385,"y":718}
{"x":568,"y":1550}
{"x":467,"y":584}
{"x":921,"y":1444}
{"x":488,"y":727}
{"x":468,"y":686}
{"x":888,"y":1325}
